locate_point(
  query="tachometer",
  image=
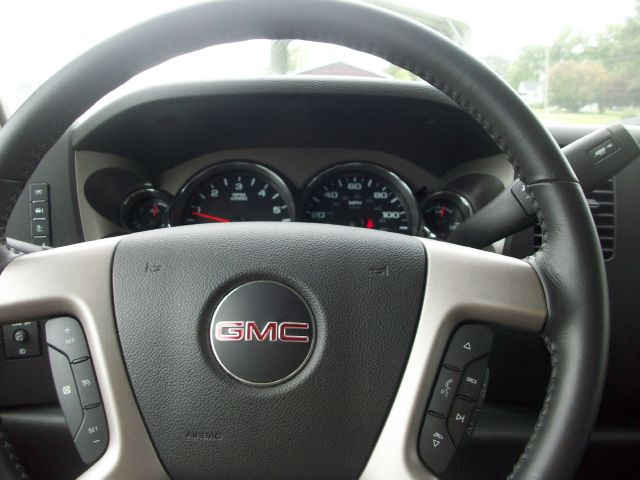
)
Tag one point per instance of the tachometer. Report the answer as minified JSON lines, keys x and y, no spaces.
{"x":234,"y":192}
{"x":361,"y":195}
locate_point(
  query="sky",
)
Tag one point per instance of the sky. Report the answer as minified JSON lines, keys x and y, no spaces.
{"x":34,"y":46}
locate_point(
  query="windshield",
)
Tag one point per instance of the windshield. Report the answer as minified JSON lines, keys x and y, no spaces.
{"x":572,"y":61}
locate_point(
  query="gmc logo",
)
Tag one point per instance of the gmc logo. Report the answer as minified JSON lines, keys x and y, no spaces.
{"x":249,"y":331}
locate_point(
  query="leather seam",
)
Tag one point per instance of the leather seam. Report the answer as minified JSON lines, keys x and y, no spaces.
{"x":13,"y":458}
{"x":553,"y":352}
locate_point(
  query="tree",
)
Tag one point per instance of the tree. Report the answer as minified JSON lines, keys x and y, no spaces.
{"x":575,"y":84}
{"x":615,"y":91}
{"x":528,"y":66}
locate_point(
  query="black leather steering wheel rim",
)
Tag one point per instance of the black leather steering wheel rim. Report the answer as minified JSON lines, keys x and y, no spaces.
{"x":569,"y":264}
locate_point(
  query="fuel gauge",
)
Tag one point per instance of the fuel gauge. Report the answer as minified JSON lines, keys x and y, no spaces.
{"x":146,"y":209}
{"x":443,"y":212}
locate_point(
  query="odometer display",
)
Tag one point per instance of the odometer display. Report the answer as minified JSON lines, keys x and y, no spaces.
{"x":361,"y":195}
{"x":235,"y":192}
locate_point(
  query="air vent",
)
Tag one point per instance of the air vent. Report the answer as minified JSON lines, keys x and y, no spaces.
{"x":602,"y":206}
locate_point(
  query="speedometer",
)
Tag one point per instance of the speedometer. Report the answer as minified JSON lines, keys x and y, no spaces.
{"x":234,"y":192}
{"x":361,"y":195}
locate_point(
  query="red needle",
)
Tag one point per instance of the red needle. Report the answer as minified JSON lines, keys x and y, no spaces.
{"x":442,"y":212}
{"x":369,"y":224}
{"x":210,"y":217}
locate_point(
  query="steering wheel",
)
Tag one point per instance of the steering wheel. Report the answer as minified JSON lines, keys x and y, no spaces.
{"x":298,"y":350}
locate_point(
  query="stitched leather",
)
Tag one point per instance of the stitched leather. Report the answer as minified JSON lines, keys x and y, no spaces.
{"x":10,"y":466}
{"x":569,"y":264}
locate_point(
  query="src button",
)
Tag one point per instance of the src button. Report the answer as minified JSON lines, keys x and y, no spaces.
{"x":473,"y":378}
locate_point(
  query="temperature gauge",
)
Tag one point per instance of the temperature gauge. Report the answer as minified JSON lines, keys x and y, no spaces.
{"x":443,"y":212}
{"x":146,"y":209}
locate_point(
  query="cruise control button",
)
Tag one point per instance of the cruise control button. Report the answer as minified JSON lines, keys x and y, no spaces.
{"x":93,"y":436}
{"x":445,"y":391}
{"x":66,"y":335}
{"x":436,"y":447}
{"x":86,"y":383}
{"x":66,"y":389}
{"x":473,"y":378}
{"x":468,"y":343}
{"x":459,"y":419}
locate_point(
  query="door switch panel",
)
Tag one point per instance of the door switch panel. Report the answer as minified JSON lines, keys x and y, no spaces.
{"x":457,"y":396}
{"x":76,"y":387}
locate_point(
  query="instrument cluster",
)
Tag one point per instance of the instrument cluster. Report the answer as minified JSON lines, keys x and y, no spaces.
{"x":357,"y":194}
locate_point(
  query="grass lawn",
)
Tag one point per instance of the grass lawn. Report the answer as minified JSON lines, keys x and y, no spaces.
{"x":579,"y":118}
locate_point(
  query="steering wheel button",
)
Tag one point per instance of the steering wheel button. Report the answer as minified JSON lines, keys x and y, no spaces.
{"x":93,"y":436}
{"x":444,"y":391}
{"x":86,"y":383}
{"x":473,"y":379}
{"x":66,"y":389}
{"x":65,"y":334}
{"x":436,"y":447}
{"x":468,"y":343}
{"x":21,"y":336}
{"x":459,"y":419}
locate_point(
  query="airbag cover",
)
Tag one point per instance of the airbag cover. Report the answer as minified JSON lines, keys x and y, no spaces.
{"x":364,"y":290}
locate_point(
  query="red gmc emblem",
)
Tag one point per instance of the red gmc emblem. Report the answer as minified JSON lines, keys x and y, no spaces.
{"x":250,"y":331}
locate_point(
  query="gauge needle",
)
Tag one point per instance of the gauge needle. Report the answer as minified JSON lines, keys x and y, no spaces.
{"x":210,"y":217}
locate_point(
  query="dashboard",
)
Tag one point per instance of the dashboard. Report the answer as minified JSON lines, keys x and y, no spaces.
{"x":414,"y":164}
{"x":392,"y":156}
{"x":356,"y":188}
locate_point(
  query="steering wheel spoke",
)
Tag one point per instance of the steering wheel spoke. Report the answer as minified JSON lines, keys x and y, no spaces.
{"x":463,"y":285}
{"x":76,"y":281}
